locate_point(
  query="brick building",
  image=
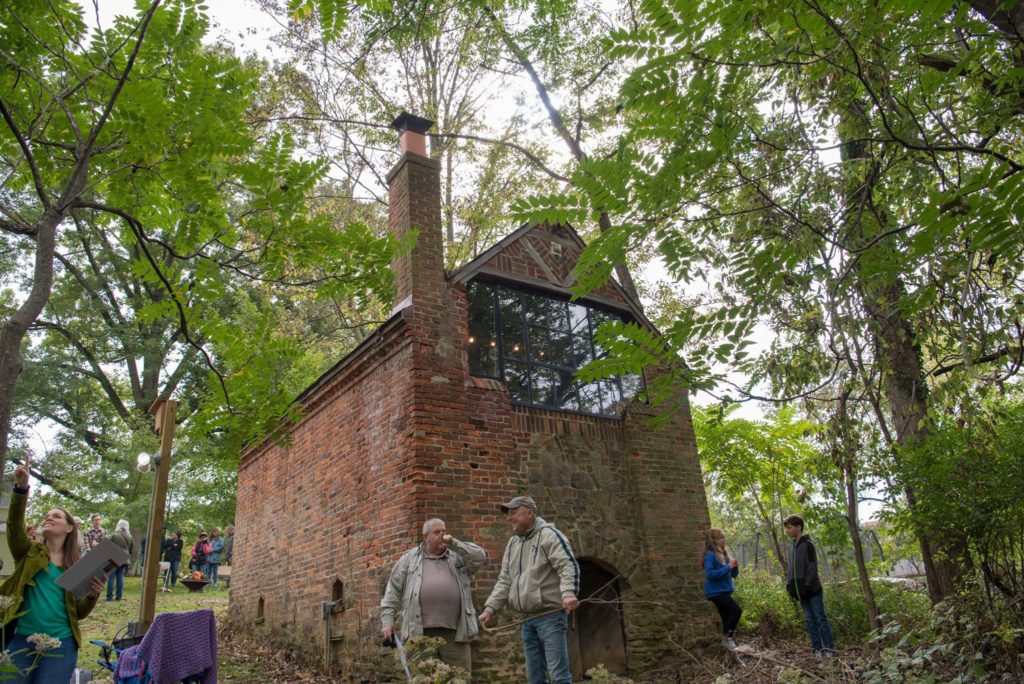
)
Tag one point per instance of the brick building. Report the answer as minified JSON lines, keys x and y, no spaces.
{"x":464,"y":398}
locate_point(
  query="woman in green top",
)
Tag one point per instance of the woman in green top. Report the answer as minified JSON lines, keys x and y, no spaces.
{"x":46,"y":609}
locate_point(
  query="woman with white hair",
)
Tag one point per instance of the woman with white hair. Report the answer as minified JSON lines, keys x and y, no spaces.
{"x":123,"y":538}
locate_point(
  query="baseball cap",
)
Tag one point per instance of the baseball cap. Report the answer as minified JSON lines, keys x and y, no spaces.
{"x":517,"y":502}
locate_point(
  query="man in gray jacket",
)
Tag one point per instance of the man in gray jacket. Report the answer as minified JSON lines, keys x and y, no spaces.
{"x":540,"y":579}
{"x":429,"y":588}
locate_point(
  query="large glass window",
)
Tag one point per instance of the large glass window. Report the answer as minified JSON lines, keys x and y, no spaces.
{"x":535,"y":343}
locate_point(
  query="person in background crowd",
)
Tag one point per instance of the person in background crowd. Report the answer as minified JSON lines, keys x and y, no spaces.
{"x":200,"y":554}
{"x":719,"y":570}
{"x":804,"y":585}
{"x":95,"y":534}
{"x":123,"y":538}
{"x":539,"y":579}
{"x":172,"y":554}
{"x":429,"y":589}
{"x":40,"y":614}
{"x":81,"y":537}
{"x":229,"y":543}
{"x":216,"y":547}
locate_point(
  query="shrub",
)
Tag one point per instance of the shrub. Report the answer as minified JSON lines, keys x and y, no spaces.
{"x":767,"y":609}
{"x":964,"y":637}
{"x":599,"y":674}
{"x":770,"y":613}
{"x":424,"y":665}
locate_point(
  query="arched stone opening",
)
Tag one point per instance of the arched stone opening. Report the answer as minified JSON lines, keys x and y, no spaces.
{"x":596,"y":632}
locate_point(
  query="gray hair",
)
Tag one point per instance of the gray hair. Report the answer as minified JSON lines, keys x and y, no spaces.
{"x":122,"y":526}
{"x":430,"y":525}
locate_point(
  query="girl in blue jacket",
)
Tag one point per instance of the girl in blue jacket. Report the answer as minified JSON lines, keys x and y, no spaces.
{"x":719,"y":569}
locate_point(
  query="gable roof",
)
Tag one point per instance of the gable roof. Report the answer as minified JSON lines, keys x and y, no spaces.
{"x":527,"y":257}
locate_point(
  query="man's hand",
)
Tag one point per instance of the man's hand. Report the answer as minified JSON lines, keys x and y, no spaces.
{"x":95,"y":587}
{"x":388,"y":633}
{"x":570,"y":603}
{"x":447,"y":539}
{"x":484,"y":617}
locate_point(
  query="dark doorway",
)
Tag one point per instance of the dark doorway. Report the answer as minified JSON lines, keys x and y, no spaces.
{"x":596,"y":636}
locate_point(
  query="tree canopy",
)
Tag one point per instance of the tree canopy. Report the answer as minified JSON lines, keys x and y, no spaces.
{"x":156,"y":241}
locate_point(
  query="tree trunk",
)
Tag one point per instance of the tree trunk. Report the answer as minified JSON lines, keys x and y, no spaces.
{"x":15,"y":327}
{"x":853,"y":524}
{"x":846,"y":458}
{"x":897,"y":353}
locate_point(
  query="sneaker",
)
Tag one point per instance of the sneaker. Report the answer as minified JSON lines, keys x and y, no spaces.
{"x":729,"y":643}
{"x":819,"y":654}
{"x":829,"y":653}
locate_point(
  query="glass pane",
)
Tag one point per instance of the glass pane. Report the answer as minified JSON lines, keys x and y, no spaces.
{"x":517,"y":381}
{"x":483,"y":341}
{"x":510,"y":304}
{"x":540,"y":348}
{"x":566,"y":392}
{"x":590,"y":398}
{"x":558,"y":315}
{"x":578,"y":318}
{"x":631,"y":386}
{"x":561,"y":349}
{"x":542,"y":310}
{"x":536,"y":308}
{"x":611,"y":399}
{"x":599,"y":316}
{"x":510,"y":312}
{"x":582,"y":350}
{"x":544,"y":385}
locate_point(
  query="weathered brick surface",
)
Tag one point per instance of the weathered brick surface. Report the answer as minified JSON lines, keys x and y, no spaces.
{"x":401,"y":432}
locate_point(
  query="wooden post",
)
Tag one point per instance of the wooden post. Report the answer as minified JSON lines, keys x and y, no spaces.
{"x":163,"y":410}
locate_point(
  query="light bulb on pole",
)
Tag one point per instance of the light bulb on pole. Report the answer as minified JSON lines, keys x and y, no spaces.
{"x":146,"y":462}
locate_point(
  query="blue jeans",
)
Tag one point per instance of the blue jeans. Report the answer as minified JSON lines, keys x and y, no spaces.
{"x":213,"y":572}
{"x":56,"y":666}
{"x":116,"y":577}
{"x":547,"y":651}
{"x":172,"y":573}
{"x":817,"y":623}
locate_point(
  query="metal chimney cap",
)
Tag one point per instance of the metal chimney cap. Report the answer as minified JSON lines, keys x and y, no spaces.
{"x":411,"y":122}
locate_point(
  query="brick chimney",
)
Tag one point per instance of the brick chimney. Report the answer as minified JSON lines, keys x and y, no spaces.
{"x":414,"y":203}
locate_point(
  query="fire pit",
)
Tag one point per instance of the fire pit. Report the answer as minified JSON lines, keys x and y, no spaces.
{"x":195,"y":584}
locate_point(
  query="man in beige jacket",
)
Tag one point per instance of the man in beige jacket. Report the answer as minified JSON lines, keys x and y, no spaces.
{"x":539,"y":579}
{"x":429,"y":588}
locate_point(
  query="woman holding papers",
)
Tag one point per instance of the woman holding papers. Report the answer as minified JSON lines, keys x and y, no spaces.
{"x":36,"y":606}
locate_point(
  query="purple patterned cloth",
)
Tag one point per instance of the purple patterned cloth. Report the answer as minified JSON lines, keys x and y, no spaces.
{"x":177,"y":645}
{"x":129,"y":664}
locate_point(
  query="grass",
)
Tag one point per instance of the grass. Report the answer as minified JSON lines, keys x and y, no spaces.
{"x":108,"y":618}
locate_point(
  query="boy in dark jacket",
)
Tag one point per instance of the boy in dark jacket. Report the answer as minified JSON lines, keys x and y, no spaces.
{"x":805,"y":586}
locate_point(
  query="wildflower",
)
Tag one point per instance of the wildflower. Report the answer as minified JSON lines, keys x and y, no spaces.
{"x":43,"y":642}
{"x":6,"y":602}
{"x":5,"y":659}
